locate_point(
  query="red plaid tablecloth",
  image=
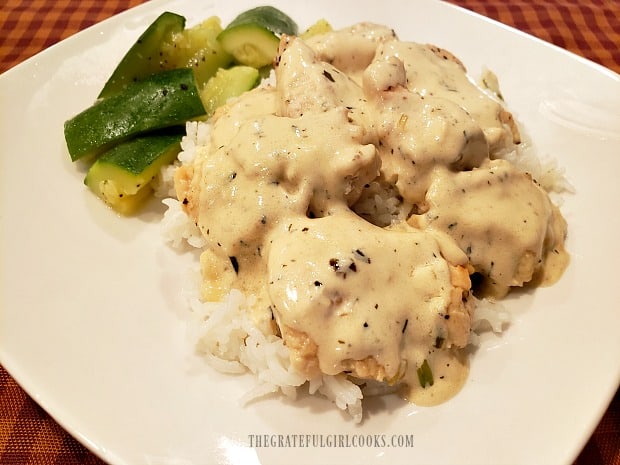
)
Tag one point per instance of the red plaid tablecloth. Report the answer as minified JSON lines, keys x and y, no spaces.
{"x":590,"y":28}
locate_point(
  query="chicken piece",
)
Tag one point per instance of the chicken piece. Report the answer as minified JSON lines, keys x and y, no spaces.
{"x":351,"y":297}
{"x":444,"y":54}
{"x":308,"y":85}
{"x":435,"y":72}
{"x":416,"y":134}
{"x":500,"y":217}
{"x":225,"y":124}
{"x":351,"y":49}
{"x":267,"y":170}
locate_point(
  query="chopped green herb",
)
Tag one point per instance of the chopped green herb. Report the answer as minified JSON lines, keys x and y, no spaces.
{"x":425,"y":375}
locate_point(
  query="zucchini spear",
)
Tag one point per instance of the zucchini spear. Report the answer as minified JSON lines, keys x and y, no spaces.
{"x":159,"y":101}
{"x":122,"y":176}
{"x":145,"y":56}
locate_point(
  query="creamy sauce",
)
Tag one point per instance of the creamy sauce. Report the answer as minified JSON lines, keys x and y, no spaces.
{"x":450,"y":370}
{"x":359,"y":121}
{"x":504,"y":222}
{"x":391,"y":289}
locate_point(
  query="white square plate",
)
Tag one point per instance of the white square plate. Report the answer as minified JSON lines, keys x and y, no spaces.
{"x":91,"y":313}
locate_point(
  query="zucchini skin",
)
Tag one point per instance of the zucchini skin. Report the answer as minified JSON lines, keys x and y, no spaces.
{"x":122,"y":176}
{"x":137,"y":155}
{"x":266,"y":17}
{"x":144,"y":57}
{"x":254,"y":35}
{"x":161,"y":100}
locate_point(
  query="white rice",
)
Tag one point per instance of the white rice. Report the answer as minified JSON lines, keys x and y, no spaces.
{"x":544,"y":169}
{"x":381,"y":205}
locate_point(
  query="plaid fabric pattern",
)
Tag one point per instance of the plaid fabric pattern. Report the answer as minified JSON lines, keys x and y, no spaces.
{"x":29,"y":436}
{"x":29,"y":26}
{"x":590,"y":28}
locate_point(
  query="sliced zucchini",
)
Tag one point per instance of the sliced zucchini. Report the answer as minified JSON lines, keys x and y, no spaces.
{"x":161,"y":100}
{"x":197,"y":48}
{"x":318,"y":28}
{"x":144,"y":57}
{"x":228,"y":83}
{"x":253,"y":36}
{"x":122,"y":176}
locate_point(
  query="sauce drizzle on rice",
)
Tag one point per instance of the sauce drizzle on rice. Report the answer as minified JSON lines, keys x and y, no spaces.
{"x":341,"y":211}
